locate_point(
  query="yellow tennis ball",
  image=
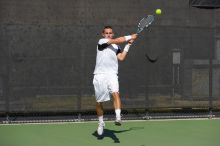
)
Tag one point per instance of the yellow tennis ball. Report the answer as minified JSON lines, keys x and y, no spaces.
{"x":158,"y":11}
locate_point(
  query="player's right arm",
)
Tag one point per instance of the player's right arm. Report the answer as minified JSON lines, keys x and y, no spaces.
{"x":104,"y":42}
{"x":123,"y":39}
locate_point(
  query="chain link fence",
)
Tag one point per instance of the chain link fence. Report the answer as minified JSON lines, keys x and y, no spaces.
{"x":48,"y":54}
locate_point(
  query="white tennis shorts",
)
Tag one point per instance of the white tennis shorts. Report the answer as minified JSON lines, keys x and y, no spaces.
{"x":104,"y":85}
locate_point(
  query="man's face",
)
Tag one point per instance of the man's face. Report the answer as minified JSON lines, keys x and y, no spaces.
{"x":108,"y":33}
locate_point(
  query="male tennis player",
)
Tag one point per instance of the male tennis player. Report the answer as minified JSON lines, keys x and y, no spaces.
{"x":105,"y":79}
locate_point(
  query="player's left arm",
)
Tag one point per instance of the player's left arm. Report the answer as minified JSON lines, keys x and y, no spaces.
{"x":122,"y":55}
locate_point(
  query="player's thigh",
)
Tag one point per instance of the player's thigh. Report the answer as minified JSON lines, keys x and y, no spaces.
{"x":101,"y":88}
{"x":99,"y":83}
{"x":113,"y":85}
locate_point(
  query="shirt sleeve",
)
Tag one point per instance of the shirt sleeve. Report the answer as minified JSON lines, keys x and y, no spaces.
{"x":119,"y":50}
{"x":102,"y":44}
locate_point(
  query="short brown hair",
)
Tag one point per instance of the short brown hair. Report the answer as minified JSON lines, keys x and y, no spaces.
{"x":106,"y":27}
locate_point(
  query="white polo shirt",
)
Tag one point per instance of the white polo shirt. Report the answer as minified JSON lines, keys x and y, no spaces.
{"x":106,"y":59}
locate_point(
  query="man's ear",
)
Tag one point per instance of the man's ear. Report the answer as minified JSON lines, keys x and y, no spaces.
{"x":103,"y":35}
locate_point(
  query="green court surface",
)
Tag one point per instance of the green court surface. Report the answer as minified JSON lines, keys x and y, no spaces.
{"x":200,"y":132}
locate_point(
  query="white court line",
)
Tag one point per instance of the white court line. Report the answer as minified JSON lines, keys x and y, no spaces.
{"x":124,"y":121}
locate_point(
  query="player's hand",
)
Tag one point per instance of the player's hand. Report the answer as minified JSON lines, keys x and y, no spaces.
{"x":130,"y":42}
{"x":134,"y":36}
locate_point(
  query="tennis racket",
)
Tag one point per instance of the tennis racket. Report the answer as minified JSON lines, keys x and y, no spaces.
{"x":145,"y":22}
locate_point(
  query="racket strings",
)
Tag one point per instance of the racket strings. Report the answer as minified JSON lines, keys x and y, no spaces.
{"x":145,"y":22}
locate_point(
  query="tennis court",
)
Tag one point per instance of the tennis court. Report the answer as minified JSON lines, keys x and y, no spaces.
{"x":195,"y":132}
{"x":169,"y":84}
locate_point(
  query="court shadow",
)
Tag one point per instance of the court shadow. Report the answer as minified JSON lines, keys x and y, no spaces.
{"x":111,"y":133}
